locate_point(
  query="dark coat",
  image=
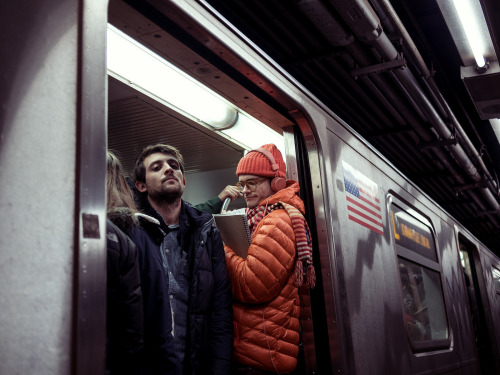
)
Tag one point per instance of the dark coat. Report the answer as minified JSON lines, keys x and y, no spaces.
{"x":147,"y":235}
{"x":124,"y":323}
{"x":209,"y":322}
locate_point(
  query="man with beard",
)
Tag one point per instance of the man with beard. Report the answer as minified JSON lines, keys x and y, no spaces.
{"x":193,"y":258}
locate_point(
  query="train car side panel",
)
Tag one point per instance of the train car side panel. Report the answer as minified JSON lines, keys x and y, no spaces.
{"x":37,"y":181}
{"x":490,"y":296}
{"x":368,"y":263}
{"x":362,"y":255}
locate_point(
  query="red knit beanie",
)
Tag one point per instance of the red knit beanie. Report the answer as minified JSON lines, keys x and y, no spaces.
{"x":256,"y":163}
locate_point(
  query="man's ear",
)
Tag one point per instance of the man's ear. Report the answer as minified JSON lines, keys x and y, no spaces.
{"x":141,"y":186}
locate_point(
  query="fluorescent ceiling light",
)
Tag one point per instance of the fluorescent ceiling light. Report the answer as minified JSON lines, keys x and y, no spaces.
{"x":247,"y":125}
{"x":153,"y":75}
{"x":495,"y":124}
{"x":471,"y":28}
{"x":143,"y":68}
{"x":467,"y":25}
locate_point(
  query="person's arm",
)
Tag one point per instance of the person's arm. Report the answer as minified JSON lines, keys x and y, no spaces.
{"x":221,"y":326}
{"x":214,"y":205}
{"x":270,"y":260}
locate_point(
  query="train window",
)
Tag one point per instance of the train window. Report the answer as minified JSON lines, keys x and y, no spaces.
{"x":423,"y":302}
{"x":421,"y":288}
{"x":496,"y":281}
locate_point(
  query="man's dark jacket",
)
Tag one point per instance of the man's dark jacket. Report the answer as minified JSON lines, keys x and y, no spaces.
{"x":146,"y":234}
{"x":210,"y":314}
{"x":124,"y":323}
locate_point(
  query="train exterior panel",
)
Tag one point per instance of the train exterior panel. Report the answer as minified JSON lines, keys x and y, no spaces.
{"x":37,"y":143}
{"x":395,"y":295}
{"x":367,"y":268}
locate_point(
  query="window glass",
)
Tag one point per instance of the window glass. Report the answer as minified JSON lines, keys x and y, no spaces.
{"x":496,"y":279}
{"x":423,"y":304}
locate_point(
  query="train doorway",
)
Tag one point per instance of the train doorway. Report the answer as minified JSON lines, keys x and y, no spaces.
{"x":471,"y":265}
{"x":141,"y":113}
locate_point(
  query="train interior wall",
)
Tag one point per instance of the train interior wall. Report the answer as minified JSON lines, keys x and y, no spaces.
{"x":205,"y":185}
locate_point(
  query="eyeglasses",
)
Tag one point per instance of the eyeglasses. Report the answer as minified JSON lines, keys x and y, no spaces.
{"x":250,"y":184}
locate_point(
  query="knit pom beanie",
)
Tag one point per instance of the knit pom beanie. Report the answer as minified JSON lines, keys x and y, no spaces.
{"x":258,"y":164}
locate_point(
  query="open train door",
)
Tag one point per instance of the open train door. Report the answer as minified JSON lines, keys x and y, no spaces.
{"x":471,"y":265}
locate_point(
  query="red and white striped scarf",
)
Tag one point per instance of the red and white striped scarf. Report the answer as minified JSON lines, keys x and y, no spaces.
{"x":303,"y":240}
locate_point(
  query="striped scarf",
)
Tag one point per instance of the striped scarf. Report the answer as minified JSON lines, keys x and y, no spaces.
{"x":303,"y":241}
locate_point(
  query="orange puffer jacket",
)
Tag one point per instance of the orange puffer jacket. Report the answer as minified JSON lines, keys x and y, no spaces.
{"x":266,"y":303}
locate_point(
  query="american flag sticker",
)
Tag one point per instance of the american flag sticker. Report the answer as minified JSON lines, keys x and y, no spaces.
{"x":362,"y":197}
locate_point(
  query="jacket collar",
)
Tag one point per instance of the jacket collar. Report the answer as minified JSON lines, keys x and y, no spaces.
{"x":189,"y":216}
{"x":287,"y":195}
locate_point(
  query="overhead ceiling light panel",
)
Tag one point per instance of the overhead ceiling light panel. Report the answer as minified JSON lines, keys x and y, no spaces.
{"x":141,"y":68}
{"x":255,"y":133}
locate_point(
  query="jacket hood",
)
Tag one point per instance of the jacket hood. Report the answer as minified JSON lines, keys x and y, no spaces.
{"x":287,"y":195}
{"x":122,"y":217}
{"x":126,"y":219}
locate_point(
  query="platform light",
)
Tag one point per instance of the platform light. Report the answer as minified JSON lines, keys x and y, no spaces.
{"x":469,"y":21}
{"x":153,"y":75}
{"x":495,"y":124}
{"x":467,"y":25}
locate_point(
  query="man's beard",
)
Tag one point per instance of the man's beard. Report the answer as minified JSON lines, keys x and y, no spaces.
{"x":166,"y":196}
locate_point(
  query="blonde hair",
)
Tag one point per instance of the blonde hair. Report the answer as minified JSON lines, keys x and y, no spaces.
{"x":117,"y":189}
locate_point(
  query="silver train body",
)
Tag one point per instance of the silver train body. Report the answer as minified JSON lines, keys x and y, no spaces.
{"x":52,"y":206}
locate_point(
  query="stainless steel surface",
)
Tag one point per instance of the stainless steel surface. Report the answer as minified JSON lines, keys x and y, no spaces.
{"x":491,"y":304}
{"x":369,"y":273}
{"x":90,"y":288}
{"x":327,"y":238}
{"x":37,"y":183}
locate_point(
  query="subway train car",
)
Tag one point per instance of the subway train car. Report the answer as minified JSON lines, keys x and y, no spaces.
{"x":403,"y":287}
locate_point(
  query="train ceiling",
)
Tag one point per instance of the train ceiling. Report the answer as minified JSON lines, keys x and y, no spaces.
{"x":360,"y":59}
